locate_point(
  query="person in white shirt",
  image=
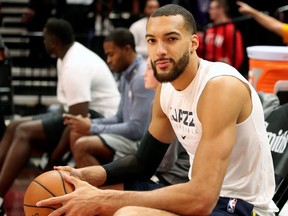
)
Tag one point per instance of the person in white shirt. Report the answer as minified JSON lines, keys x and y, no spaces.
{"x":85,"y":86}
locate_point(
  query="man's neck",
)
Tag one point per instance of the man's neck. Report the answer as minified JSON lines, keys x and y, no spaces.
{"x":221,"y":19}
{"x":63,"y":52}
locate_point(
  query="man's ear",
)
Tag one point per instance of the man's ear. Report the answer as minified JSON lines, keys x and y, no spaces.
{"x":55,"y":41}
{"x":194,"y":43}
{"x":127,"y":48}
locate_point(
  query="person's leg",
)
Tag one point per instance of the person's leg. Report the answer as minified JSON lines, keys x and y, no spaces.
{"x":59,"y":151}
{"x":73,"y":137}
{"x":19,"y":152}
{"x":66,"y":142}
{"x":55,"y":138}
{"x":8,"y":137}
{"x":90,"y":150}
{"x":143,"y":211}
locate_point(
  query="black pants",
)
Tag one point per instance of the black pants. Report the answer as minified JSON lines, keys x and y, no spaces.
{"x":232,"y":206}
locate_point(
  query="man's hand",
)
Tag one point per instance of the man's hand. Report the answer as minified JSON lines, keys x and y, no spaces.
{"x":244,"y":8}
{"x":94,"y":175}
{"x":78,"y":123}
{"x":82,"y":201}
{"x":72,"y":171}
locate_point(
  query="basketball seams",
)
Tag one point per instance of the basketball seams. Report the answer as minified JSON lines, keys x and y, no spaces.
{"x":34,"y":206}
{"x":44,"y":187}
{"x":62,"y":181}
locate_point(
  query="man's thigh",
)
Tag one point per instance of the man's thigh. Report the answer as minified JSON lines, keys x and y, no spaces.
{"x":34,"y":129}
{"x":143,"y":211}
{"x":52,"y":127}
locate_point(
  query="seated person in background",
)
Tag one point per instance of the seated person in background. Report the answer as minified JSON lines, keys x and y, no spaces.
{"x":218,"y":118}
{"x":138,"y":28}
{"x":221,"y":42}
{"x":120,"y":134}
{"x":173,"y":169}
{"x":265,"y":20}
{"x":85,"y":84}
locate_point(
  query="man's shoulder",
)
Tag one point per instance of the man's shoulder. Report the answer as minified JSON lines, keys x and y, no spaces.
{"x":210,"y":70}
{"x":139,"y":22}
{"x":218,"y":66}
{"x":80,"y":53}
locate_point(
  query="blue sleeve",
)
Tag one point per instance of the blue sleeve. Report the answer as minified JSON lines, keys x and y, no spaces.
{"x":135,"y":116}
{"x":102,"y":121}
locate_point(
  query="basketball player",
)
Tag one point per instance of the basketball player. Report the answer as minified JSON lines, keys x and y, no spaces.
{"x":215,"y":114}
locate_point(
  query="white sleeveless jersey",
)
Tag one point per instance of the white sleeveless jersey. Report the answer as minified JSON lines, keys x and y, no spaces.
{"x":250,"y":174}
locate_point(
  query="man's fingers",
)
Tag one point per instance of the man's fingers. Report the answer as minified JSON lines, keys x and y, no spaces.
{"x":63,"y":168}
{"x":67,"y":115}
{"x":51,"y":201}
{"x":71,"y":178}
{"x":58,"y":212}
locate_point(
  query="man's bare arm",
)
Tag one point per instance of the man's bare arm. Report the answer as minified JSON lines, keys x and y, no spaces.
{"x":263,"y":19}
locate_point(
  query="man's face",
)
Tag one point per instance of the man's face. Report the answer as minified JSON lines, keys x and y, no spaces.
{"x":150,"y":7}
{"x":48,"y":42}
{"x":169,"y":45}
{"x":115,"y":56}
{"x":150,"y":81}
{"x":214,"y":10}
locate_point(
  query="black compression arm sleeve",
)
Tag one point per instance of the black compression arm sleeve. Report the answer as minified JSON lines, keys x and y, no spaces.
{"x":139,"y":166}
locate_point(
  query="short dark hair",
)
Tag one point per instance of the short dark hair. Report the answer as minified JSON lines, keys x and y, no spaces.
{"x":61,"y":29}
{"x":173,"y":10}
{"x":121,"y":37}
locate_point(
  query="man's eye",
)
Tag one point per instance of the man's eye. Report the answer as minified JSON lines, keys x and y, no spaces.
{"x":150,"y":41}
{"x":172,"y":39}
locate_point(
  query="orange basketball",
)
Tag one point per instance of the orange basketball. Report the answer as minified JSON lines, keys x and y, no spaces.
{"x":46,"y":185}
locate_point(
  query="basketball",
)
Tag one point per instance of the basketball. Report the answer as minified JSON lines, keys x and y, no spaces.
{"x":47,"y":185}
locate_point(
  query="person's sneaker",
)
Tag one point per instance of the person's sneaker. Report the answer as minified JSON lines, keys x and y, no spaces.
{"x":2,"y":211}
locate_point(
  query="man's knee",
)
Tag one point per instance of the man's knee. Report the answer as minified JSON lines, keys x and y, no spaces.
{"x":144,"y":211}
{"x":27,"y":130}
{"x":127,"y":211}
{"x":21,"y":132}
{"x":85,"y":141}
{"x":80,"y":144}
{"x":13,"y":125}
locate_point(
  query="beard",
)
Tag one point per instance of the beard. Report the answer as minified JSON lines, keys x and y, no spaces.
{"x":175,"y":72}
